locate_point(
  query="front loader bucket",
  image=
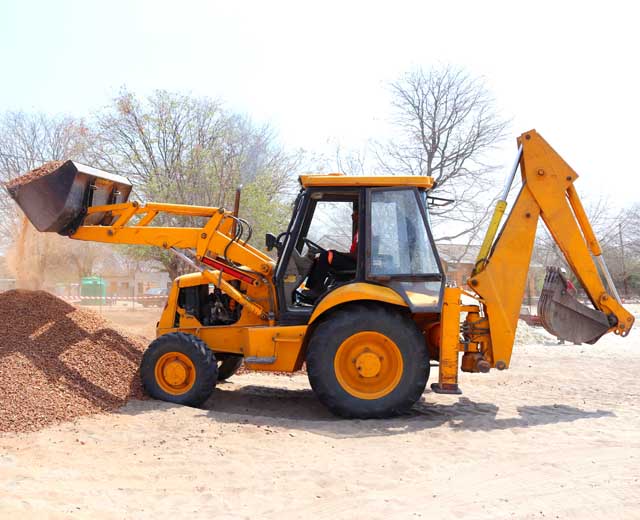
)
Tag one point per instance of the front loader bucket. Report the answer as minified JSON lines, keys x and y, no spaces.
{"x":564,"y":316}
{"x":56,"y":196}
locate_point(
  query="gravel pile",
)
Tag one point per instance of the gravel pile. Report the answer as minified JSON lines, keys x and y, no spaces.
{"x":41,"y":171}
{"x":58,"y":362}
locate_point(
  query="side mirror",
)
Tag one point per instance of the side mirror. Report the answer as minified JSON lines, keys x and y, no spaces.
{"x":271,"y":241}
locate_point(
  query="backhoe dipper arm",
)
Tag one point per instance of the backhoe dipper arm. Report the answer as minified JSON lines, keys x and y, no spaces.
{"x":500,"y":275}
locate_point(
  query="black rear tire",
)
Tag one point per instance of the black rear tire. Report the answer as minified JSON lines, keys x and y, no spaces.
{"x":325,"y":374}
{"x":229,"y":366}
{"x":202,"y":370}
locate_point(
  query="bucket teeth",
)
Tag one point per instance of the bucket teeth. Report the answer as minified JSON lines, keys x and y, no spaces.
{"x":564,"y":316}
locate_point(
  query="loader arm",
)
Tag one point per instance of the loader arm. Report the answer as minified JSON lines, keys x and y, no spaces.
{"x":214,"y":239}
{"x":84,"y":203}
{"x":219,"y":253}
{"x":500,"y":277}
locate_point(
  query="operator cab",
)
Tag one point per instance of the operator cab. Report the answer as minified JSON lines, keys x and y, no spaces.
{"x":389,"y":243}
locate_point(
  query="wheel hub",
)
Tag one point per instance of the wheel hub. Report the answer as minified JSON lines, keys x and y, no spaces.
{"x":175,"y":373}
{"x":368,"y":364}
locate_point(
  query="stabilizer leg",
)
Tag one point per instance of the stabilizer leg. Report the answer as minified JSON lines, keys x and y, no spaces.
{"x":448,"y":371}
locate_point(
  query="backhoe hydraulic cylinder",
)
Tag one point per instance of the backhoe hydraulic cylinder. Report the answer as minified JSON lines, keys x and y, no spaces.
{"x":501,"y":206}
{"x":512,"y":174}
{"x":590,"y":237}
{"x":583,"y":221}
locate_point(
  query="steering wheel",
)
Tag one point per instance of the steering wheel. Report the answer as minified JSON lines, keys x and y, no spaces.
{"x":313,"y":247}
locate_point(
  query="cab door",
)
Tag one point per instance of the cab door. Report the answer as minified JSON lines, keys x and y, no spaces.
{"x":323,"y":216}
{"x":400,"y":252}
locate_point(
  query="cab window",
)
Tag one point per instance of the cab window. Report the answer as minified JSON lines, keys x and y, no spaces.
{"x":399,"y":240}
{"x":331,"y":226}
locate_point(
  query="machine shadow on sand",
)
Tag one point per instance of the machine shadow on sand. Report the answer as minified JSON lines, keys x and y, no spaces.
{"x":299,"y":409}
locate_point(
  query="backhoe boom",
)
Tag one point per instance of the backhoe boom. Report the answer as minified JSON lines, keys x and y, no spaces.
{"x":500,"y":275}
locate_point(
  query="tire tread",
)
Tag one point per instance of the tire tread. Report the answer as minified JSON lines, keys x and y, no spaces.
{"x":352,"y":317}
{"x":204,"y":361}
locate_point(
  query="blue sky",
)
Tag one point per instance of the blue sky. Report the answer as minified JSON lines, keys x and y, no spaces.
{"x":319,"y":72}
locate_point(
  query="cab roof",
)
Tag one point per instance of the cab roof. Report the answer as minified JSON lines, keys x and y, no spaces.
{"x":340,"y":179}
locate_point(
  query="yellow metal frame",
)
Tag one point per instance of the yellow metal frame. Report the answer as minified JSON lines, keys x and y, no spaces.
{"x":214,"y":239}
{"x":500,"y":275}
{"x":251,"y":336}
{"x":339,"y":179}
{"x":254,"y":335}
{"x":215,"y":236}
{"x":357,"y":291}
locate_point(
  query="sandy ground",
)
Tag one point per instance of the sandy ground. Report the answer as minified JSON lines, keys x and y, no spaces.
{"x":556,"y":436}
{"x":134,"y":319}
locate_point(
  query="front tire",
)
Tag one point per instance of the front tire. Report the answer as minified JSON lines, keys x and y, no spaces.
{"x":367,"y":361}
{"x":229,"y":366}
{"x":179,"y":368}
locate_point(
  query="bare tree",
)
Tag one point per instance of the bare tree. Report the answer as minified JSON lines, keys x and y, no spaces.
{"x":446,"y":125}
{"x":186,"y":150}
{"x":26,"y":141}
{"x":621,"y":247}
{"x":175,"y":148}
{"x":631,"y":230}
{"x":353,"y":162}
{"x":618,"y":233}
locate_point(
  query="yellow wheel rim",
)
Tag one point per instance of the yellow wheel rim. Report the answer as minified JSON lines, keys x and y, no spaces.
{"x":175,"y":373}
{"x":368,"y":365}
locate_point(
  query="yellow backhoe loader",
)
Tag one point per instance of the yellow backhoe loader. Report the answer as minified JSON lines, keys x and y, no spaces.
{"x":373,"y":322}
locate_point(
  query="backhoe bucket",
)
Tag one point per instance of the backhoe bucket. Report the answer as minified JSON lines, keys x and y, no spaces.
{"x":564,"y":316}
{"x":56,"y":197}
